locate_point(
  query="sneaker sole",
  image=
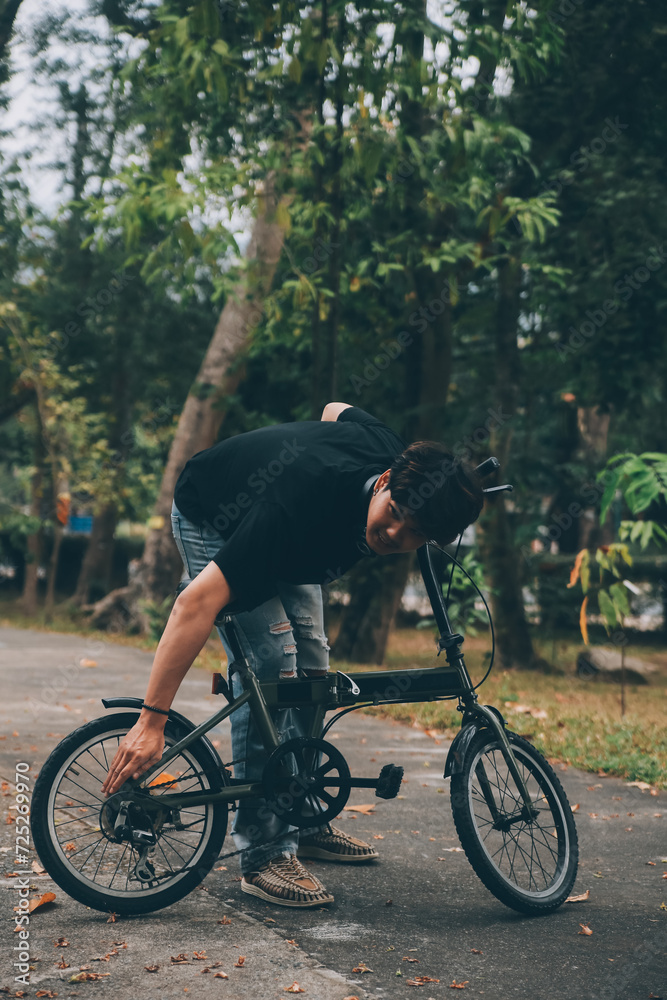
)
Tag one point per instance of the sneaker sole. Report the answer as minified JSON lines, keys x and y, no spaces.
{"x":254,"y":890}
{"x":321,"y":854}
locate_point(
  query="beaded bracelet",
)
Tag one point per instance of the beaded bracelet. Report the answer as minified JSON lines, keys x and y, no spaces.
{"x":152,"y":708}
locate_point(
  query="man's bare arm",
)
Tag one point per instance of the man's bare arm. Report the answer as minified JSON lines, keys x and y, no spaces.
{"x":188,"y":628}
{"x":332,"y":410}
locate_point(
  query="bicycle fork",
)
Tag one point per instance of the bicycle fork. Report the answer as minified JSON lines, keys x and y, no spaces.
{"x":528,"y":813}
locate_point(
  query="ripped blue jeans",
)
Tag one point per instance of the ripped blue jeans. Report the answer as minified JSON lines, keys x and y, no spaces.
{"x":280,"y":638}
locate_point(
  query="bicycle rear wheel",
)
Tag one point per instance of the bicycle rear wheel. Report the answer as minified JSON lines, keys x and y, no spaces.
{"x":528,"y":864}
{"x":73,"y":823}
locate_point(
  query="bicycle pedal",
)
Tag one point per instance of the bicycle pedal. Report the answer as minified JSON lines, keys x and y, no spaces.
{"x":389,"y":782}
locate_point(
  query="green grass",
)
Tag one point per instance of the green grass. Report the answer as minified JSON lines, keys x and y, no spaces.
{"x":583,"y":724}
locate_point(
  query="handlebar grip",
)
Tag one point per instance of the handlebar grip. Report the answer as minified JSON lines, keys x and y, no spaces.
{"x":487,"y":467}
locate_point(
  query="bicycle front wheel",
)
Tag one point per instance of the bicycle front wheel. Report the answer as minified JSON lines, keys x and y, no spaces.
{"x":73,"y":823}
{"x":529,"y":864}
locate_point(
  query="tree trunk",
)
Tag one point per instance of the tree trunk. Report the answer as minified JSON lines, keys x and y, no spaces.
{"x":203,"y":412}
{"x":375,"y":596}
{"x":498,"y":549}
{"x":96,"y":566}
{"x":95,"y":571}
{"x":29,"y":597}
{"x":593,"y":426}
{"x":8,"y":11}
{"x":61,"y":507}
{"x":376,"y":588}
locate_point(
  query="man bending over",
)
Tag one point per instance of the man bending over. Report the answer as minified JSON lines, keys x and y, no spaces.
{"x":261,"y":520}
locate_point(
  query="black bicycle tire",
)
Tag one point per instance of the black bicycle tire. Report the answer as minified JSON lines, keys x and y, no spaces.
{"x":489,"y":874}
{"x":51,"y":856}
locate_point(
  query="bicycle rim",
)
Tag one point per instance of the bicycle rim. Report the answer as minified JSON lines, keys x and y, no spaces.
{"x":533,"y":858}
{"x":86,"y":851}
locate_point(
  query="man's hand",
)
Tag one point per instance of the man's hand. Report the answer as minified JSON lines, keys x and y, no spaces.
{"x":139,"y":749}
{"x":332,"y":410}
{"x":188,"y":628}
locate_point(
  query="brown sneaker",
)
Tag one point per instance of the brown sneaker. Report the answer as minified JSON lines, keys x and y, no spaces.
{"x":335,"y":846}
{"x":286,"y":882}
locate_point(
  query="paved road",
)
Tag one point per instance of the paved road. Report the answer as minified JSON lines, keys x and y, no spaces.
{"x":439,"y":912}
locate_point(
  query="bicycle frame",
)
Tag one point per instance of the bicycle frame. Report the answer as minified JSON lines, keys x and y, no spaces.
{"x":344,"y":692}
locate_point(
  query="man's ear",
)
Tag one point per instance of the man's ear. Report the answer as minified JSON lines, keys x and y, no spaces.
{"x":383,"y":481}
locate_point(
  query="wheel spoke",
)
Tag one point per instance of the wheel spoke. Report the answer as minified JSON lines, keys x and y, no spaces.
{"x":97,"y":861}
{"x":528,"y":854}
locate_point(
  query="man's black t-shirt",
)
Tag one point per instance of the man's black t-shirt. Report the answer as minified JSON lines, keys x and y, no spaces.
{"x":287,"y":499}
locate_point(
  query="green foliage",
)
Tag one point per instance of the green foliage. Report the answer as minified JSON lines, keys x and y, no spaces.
{"x":463,"y":613}
{"x":642,"y":481}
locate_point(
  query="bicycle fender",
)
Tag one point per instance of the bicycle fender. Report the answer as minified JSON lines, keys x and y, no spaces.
{"x":463,"y":739}
{"x":457,"y":751}
{"x":126,"y":702}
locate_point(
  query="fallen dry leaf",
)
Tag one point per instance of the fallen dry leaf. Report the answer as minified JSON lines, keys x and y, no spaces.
{"x":62,"y":964}
{"x":37,"y":868}
{"x":151,"y":968}
{"x":294,"y":988}
{"x":406,"y":958}
{"x":579,"y":899}
{"x":476,"y":951}
{"x":61,"y":943}
{"x":220,"y":975}
{"x":84,"y":662}
{"x":240,"y":963}
{"x":585,"y":929}
{"x":227,"y":920}
{"x":644,"y":785}
{"x":267,"y":920}
{"x":575,"y":807}
{"x":652,"y":863}
{"x":663,"y":906}
{"x":70,"y":847}
{"x":365,"y":810}
{"x":378,"y":836}
{"x":292,"y":942}
{"x":222,"y":868}
{"x":45,"y":993}
{"x":199,"y":956}
{"x":85,"y":977}
{"x":389,"y":902}
{"x":421,"y":981}
{"x":458,"y":986}
{"x":181,"y":959}
{"x":112,"y":918}
{"x":362,"y":967}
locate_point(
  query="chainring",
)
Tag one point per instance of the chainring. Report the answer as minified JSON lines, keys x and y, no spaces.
{"x":306,"y":782}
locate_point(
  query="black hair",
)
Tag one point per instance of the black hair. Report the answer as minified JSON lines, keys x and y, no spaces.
{"x":440,"y":491}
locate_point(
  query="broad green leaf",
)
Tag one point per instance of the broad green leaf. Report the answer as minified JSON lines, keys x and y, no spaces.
{"x":619,"y":595}
{"x":607,"y":609}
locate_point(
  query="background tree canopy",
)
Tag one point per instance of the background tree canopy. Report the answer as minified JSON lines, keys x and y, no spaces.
{"x":448,"y":214}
